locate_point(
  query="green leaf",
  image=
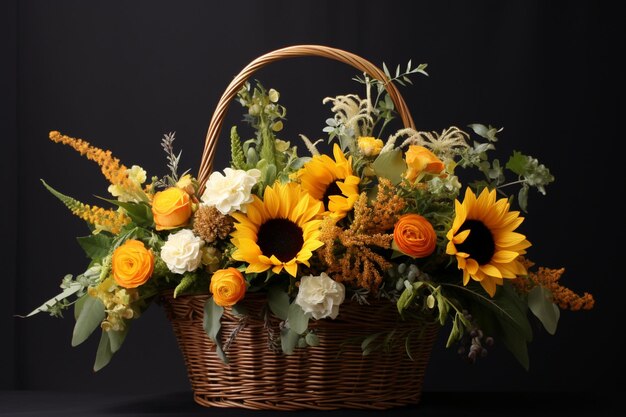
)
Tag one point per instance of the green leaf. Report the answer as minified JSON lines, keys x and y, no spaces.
{"x":212,"y":324}
{"x":522,"y":197}
{"x":116,"y":338}
{"x":239,"y":310}
{"x":312,"y":339}
{"x":78,"y":306}
{"x":95,"y":246}
{"x":139,"y":213}
{"x":288,"y":340}
{"x":278,"y":301}
{"x":187,"y":282}
{"x":297,"y":319}
{"x":518,"y":162}
{"x":72,"y":289}
{"x":91,"y":315}
{"x":541,"y":305}
{"x":366,"y":344}
{"x":488,"y":133}
{"x":390,"y":165}
{"x":104,"y":352}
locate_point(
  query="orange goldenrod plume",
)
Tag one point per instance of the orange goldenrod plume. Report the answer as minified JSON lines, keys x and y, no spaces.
{"x":102,"y":219}
{"x":111,"y":167}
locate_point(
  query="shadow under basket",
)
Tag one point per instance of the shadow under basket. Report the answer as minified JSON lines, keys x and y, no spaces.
{"x":333,"y":375}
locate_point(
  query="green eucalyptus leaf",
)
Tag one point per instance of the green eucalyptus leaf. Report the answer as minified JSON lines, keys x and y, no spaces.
{"x":78,"y":305}
{"x":104,"y":352}
{"x":72,"y":289}
{"x":117,"y":337}
{"x":390,"y":165}
{"x":298,"y":320}
{"x":541,"y":305}
{"x":239,"y":310}
{"x":91,"y":315}
{"x":95,"y":246}
{"x":405,"y":299}
{"x":211,"y":323}
{"x":288,"y":340}
{"x":312,"y":339}
{"x":278,"y":301}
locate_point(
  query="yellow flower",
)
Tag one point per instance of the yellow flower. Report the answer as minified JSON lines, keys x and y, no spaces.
{"x":420,"y":161}
{"x":132,"y":264}
{"x":331,"y":182}
{"x":280,"y":231}
{"x":227,"y":286}
{"x":484,"y":240}
{"x":171,"y":208}
{"x":369,"y":145}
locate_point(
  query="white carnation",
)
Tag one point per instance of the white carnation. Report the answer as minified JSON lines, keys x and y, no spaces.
{"x":232,"y":191}
{"x":182,"y":252}
{"x":320,"y":296}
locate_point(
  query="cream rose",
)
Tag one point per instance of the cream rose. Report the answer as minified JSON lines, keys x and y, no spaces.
{"x":232,"y":191}
{"x":182,"y":252}
{"x":320,"y":296}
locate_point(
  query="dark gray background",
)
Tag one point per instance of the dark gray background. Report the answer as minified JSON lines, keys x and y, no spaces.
{"x":121,"y":74}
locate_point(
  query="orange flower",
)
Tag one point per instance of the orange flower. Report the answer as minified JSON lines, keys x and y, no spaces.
{"x":171,"y":208}
{"x":132,"y":264}
{"x":227,"y":286}
{"x":421,"y":161}
{"x":413,"y":235}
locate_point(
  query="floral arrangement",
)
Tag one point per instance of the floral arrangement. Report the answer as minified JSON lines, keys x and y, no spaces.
{"x":391,"y":219}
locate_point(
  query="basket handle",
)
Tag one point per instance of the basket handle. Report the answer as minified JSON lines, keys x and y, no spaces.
{"x":217,"y":120}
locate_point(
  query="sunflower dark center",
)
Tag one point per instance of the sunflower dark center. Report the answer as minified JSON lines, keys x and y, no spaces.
{"x":281,"y":238}
{"x":479,"y":244}
{"x":332,"y":189}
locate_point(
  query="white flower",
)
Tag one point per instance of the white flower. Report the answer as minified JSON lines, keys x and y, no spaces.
{"x":232,"y":191}
{"x":182,"y":252}
{"x":320,"y":296}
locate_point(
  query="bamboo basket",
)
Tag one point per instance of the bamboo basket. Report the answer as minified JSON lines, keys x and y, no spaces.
{"x":333,"y":375}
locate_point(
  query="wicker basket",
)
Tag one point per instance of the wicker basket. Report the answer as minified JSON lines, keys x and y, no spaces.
{"x":334,"y":374}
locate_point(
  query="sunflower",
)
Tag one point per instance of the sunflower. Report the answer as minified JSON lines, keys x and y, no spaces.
{"x":484,"y":240}
{"x":331,"y":182}
{"x":280,"y":231}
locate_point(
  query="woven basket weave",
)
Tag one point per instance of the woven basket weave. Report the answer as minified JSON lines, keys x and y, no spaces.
{"x":334,"y":374}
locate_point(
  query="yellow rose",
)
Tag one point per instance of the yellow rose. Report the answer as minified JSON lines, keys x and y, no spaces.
{"x":171,"y":208}
{"x":421,"y":161}
{"x":227,"y":286}
{"x":132,"y":264}
{"x":370,"y":146}
{"x":413,"y":235}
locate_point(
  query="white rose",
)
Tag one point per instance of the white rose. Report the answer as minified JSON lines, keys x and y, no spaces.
{"x":320,"y":296}
{"x":182,"y":252}
{"x":232,"y":191}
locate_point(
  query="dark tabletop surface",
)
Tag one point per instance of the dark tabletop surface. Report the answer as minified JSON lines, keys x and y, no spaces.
{"x":46,"y":403}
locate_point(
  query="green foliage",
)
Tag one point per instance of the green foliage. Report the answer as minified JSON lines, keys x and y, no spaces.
{"x":238,"y":159}
{"x":390,"y":165}
{"x":188,"y":281}
{"x":90,"y":316}
{"x":97,"y":246}
{"x":278,"y":302}
{"x":541,"y":304}
{"x":139,"y":213}
{"x":212,"y":325}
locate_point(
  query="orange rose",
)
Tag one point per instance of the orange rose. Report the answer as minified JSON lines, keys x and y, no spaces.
{"x":132,"y":264}
{"x":171,"y":208}
{"x":421,"y":161}
{"x":413,"y":235}
{"x":227,"y":286}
